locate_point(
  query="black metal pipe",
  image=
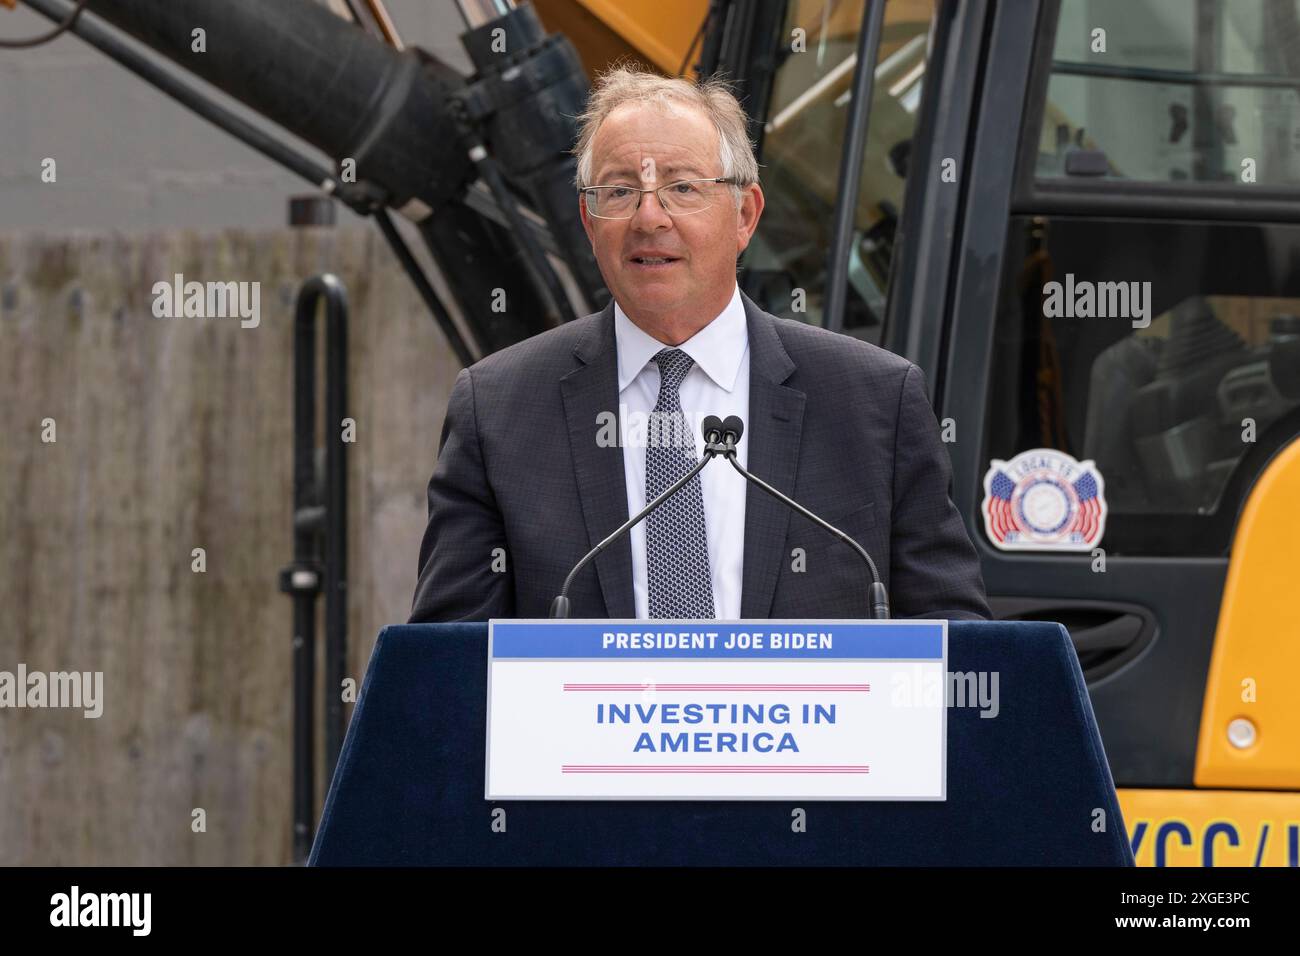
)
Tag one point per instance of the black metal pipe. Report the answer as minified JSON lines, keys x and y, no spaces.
{"x":480,"y":199}
{"x":855,"y":144}
{"x":523,"y":108}
{"x":304,"y":682}
{"x":359,"y":196}
{"x":424,"y":287}
{"x":335,"y":490}
{"x":301,"y":580}
{"x":336,"y":507}
{"x":485,"y":263}
{"x":108,"y":43}
{"x":457,"y":242}
{"x":322,"y":79}
{"x":718,"y":16}
{"x":544,"y":277}
{"x":319,"y":510}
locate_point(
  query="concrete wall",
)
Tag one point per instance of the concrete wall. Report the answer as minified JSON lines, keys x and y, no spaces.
{"x":174,"y":434}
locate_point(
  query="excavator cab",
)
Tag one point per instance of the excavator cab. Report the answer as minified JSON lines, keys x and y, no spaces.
{"x":1081,"y":219}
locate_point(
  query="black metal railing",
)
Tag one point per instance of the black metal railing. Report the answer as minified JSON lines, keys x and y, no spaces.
{"x":320,"y":522}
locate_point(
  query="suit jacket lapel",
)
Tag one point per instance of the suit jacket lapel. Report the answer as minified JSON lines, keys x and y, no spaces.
{"x":775,"y":425}
{"x":602,"y":487}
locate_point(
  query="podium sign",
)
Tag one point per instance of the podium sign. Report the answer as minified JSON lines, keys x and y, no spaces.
{"x":716,"y":710}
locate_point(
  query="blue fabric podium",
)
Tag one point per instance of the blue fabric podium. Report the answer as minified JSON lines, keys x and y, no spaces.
{"x":1024,"y":787}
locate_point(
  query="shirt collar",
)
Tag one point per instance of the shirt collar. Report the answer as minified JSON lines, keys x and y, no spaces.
{"x":718,"y":348}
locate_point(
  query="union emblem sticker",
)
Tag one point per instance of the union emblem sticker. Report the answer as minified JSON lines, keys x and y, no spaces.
{"x":1044,"y":500}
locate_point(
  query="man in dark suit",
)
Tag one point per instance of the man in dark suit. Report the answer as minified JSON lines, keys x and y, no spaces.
{"x":541,"y":456}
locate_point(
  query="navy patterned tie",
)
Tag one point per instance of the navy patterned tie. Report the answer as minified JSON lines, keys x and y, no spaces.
{"x":676,"y":546}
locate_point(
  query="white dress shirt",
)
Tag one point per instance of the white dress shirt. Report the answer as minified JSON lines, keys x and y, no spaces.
{"x":717,"y":384}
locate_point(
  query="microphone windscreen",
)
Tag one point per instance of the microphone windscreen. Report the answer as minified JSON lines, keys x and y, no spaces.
{"x":734,"y":425}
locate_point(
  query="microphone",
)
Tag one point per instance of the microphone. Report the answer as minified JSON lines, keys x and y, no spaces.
{"x":729,"y":432}
{"x":713,"y":446}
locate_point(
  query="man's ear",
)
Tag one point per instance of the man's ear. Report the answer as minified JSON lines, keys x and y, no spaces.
{"x":751,"y":208}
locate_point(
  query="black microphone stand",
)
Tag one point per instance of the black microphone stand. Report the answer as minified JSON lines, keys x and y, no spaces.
{"x":712,"y":448}
{"x":732,"y":429}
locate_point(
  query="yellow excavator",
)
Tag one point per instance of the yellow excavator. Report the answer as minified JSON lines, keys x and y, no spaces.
{"x":994,"y":149}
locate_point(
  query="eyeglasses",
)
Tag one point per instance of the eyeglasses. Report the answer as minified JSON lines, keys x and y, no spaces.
{"x":681,"y":198}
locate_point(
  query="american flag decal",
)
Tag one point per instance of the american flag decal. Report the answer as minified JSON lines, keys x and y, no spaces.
{"x":997,"y":507}
{"x":1088,"y":521}
{"x":1044,"y":500}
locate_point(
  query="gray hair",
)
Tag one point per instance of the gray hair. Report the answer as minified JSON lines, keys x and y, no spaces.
{"x":713,"y":96}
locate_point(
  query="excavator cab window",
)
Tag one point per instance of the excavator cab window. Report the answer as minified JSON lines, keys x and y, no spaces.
{"x":1214,"y":100}
{"x":785,"y":267}
{"x":1164,"y":348}
{"x":1166,"y":352}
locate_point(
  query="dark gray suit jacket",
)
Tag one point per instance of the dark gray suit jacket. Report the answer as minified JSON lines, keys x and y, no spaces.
{"x":841,"y":425}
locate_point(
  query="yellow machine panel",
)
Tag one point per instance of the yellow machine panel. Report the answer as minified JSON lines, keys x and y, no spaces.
{"x":655,"y":32}
{"x":1212,"y":827}
{"x":1250,"y":723}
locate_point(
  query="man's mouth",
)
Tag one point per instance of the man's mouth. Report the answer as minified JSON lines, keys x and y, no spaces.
{"x":654,"y":262}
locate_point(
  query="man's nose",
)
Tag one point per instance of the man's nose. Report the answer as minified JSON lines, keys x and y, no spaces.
{"x":650,"y":214}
